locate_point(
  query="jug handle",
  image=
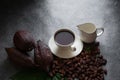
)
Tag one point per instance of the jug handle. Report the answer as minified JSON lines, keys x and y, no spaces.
{"x":100,"y":31}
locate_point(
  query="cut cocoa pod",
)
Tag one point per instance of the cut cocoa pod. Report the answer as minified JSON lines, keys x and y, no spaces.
{"x":24,"y":41}
{"x":43,"y":56}
{"x":18,"y":58}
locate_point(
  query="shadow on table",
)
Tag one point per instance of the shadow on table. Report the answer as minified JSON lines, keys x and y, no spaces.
{"x":10,"y":7}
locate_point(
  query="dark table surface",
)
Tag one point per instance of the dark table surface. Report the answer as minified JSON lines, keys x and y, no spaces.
{"x":43,"y":17}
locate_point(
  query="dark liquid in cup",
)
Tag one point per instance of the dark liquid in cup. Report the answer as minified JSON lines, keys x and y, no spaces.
{"x":64,"y":37}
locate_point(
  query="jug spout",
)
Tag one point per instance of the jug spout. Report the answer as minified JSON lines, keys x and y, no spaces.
{"x":80,"y":27}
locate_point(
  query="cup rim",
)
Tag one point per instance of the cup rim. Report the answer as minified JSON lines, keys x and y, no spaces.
{"x":62,"y":45}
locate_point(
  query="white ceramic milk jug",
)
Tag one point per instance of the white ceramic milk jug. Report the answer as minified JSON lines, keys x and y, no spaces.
{"x":89,"y":33}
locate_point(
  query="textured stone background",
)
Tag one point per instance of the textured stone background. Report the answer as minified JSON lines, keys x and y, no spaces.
{"x":44,"y":17}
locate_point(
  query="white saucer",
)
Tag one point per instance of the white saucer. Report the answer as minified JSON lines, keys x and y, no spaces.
{"x":62,"y":53}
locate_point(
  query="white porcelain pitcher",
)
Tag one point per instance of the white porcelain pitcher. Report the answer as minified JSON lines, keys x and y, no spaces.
{"x":89,"y":32}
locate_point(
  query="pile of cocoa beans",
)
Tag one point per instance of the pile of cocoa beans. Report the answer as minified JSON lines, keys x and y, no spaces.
{"x":88,"y":65}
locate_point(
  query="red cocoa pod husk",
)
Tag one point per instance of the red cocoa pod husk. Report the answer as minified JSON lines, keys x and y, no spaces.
{"x":18,"y":58}
{"x":23,"y":40}
{"x":43,"y":56}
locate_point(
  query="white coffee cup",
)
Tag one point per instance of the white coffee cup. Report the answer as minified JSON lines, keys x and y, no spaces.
{"x":64,"y":39}
{"x":89,"y":32}
{"x":65,"y":43}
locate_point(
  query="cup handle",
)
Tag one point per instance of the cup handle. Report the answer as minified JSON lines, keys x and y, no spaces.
{"x":73,"y":48}
{"x":100,"y":31}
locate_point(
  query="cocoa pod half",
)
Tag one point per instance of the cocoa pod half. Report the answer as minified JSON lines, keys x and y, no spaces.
{"x":43,"y":56}
{"x":23,"y":40}
{"x":18,"y":58}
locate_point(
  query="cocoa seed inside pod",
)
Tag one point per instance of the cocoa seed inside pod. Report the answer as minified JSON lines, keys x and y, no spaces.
{"x":23,"y":40}
{"x":43,"y":56}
